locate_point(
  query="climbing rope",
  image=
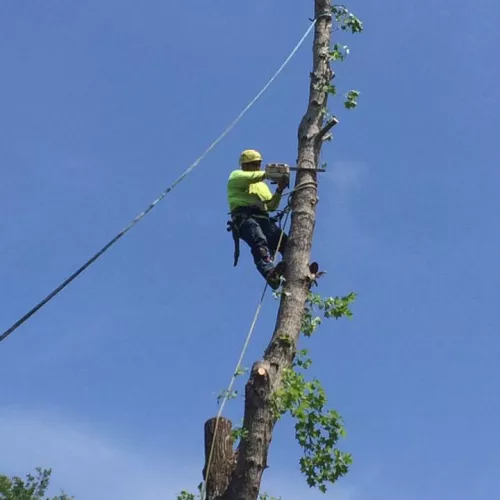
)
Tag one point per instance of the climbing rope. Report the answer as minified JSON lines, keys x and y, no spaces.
{"x":143,"y":214}
{"x":285,"y":212}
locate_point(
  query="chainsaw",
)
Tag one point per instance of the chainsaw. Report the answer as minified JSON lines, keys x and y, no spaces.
{"x":276,"y":172}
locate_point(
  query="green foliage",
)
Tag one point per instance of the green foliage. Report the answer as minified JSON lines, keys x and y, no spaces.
{"x":339,"y":52}
{"x":265,"y":496}
{"x":351,"y":99}
{"x":240,"y":371}
{"x":226,"y":394}
{"x":346,"y":20}
{"x":332,"y":307}
{"x":184,"y":495}
{"x":317,"y":429}
{"x":31,"y":488}
{"x":301,"y":360}
{"x":331,"y":89}
{"x":239,"y":433}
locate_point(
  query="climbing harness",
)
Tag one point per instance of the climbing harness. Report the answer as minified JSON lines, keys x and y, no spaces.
{"x":143,"y":214}
{"x":238,"y":216}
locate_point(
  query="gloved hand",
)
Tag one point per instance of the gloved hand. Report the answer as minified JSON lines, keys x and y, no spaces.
{"x":282,"y":184}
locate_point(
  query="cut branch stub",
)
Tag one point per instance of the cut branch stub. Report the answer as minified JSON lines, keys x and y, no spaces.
{"x":261,"y":368}
{"x":223,"y":456}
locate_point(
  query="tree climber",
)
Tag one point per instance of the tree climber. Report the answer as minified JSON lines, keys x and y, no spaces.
{"x":250,"y":201}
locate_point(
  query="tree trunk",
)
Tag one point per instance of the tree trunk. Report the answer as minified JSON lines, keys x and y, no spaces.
{"x":266,"y":375}
{"x":223,"y":457}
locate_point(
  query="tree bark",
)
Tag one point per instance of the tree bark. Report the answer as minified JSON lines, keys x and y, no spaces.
{"x":223,"y":456}
{"x":266,"y":375}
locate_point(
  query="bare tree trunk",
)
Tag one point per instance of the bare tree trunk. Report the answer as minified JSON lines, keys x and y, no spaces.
{"x":223,"y":456}
{"x":266,"y":375}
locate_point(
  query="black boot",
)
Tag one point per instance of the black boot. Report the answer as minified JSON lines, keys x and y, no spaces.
{"x":273,"y":277}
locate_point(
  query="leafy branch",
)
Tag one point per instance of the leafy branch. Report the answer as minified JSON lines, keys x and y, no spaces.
{"x":31,"y":488}
{"x":346,"y":20}
{"x":339,"y":52}
{"x":317,"y":430}
{"x":226,"y":394}
{"x":332,"y":307}
{"x":351,"y":100}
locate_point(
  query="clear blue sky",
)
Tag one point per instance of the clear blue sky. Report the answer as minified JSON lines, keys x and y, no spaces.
{"x":103,"y":104}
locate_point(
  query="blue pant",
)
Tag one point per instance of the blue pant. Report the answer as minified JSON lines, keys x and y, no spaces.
{"x":262,"y":236}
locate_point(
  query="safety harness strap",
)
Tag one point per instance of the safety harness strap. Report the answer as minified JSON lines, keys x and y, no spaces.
{"x":239,"y":215}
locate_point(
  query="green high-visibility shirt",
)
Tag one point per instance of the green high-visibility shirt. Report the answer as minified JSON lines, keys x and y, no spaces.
{"x":246,"y":188}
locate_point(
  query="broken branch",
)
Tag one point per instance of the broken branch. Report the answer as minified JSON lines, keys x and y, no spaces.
{"x":328,"y":126}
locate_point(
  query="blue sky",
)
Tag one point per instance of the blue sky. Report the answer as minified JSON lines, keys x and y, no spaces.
{"x":103,"y":104}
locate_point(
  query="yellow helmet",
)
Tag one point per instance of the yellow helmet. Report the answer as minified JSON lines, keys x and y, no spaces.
{"x":249,"y":156}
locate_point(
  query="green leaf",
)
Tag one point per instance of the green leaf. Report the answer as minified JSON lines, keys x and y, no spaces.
{"x":346,"y":20}
{"x":351,"y":99}
{"x":239,"y":433}
{"x":240,"y":371}
{"x":339,"y":52}
{"x":331,"y":89}
{"x":225,"y":394}
{"x":184,"y":495}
